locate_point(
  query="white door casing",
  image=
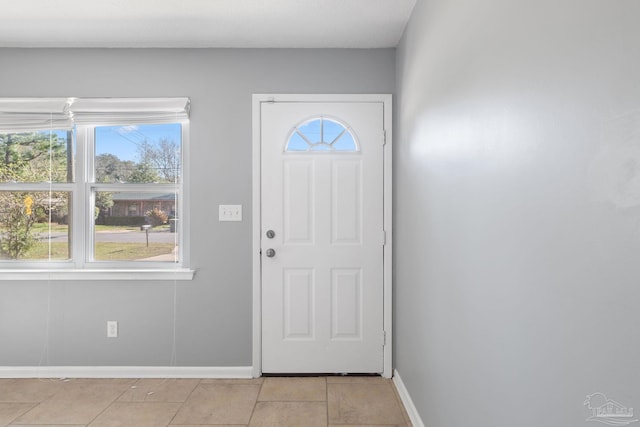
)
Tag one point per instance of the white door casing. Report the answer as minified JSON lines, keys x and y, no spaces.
{"x":322,"y":301}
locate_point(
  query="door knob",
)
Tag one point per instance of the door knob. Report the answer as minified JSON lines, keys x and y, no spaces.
{"x":271,"y":253}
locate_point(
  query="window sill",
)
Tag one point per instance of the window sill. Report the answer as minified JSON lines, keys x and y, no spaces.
{"x":115,"y":275}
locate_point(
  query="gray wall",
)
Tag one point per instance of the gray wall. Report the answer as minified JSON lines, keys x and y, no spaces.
{"x":517,"y":220}
{"x":214,"y":312}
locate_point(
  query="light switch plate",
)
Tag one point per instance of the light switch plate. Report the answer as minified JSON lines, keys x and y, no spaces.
{"x":230,"y":213}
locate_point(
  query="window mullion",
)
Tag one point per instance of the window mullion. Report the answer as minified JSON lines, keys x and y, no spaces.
{"x":81,"y":197}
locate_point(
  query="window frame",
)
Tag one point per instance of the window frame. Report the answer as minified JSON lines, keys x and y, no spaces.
{"x":81,"y":265}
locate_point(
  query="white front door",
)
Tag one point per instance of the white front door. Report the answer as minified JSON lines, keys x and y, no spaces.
{"x":322,"y":237}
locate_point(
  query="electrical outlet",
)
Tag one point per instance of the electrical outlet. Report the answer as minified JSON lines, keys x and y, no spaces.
{"x":230,"y":213}
{"x":112,"y":329}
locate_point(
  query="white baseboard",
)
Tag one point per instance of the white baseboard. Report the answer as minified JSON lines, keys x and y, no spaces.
{"x":125,"y":372}
{"x":406,"y":401}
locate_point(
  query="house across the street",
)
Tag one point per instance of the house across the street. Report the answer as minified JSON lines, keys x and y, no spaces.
{"x":137,"y":204}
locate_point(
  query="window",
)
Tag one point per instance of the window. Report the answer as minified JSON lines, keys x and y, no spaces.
{"x":321,"y":134}
{"x":90,"y":185}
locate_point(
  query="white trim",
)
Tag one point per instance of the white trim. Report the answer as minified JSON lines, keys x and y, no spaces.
{"x":388,"y":246}
{"x":403,"y":393}
{"x":256,"y":259}
{"x":88,"y":274}
{"x":386,"y":99}
{"x":184,"y":199}
{"x":125,"y":372}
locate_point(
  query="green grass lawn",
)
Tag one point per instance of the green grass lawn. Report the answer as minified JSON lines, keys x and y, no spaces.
{"x":113,"y":251}
{"x":40,"y":251}
{"x":43,"y":227}
{"x":105,"y":251}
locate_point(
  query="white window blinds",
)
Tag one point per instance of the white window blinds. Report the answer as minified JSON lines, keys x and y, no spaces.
{"x":29,"y":114}
{"x":32,"y":114}
{"x":112,"y":111}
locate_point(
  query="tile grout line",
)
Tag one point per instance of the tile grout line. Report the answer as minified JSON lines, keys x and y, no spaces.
{"x":33,"y":405}
{"x":256,"y":402}
{"x":38,"y":403}
{"x":185,"y":401}
{"x":111,"y":403}
{"x":326,"y":398}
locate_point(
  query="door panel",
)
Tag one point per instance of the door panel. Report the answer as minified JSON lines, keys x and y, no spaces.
{"x":322,"y":291}
{"x":346,"y":202}
{"x":299,"y":189}
{"x":346,"y":304}
{"x":299,"y":293}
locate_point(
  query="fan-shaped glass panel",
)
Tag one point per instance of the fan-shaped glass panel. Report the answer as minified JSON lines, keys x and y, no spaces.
{"x":297,"y":143}
{"x":321,"y":134}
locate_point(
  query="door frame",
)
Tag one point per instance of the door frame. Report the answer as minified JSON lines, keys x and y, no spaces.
{"x":258,"y":99}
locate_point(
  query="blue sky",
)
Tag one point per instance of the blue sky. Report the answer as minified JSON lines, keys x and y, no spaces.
{"x":123,"y":141}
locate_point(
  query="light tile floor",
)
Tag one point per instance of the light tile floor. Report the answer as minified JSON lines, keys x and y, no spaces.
{"x":261,"y":402}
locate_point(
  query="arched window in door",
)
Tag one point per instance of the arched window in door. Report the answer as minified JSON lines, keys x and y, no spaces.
{"x":322,"y":134}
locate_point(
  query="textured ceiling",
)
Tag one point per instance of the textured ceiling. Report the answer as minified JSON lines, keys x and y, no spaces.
{"x":203,"y":23}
